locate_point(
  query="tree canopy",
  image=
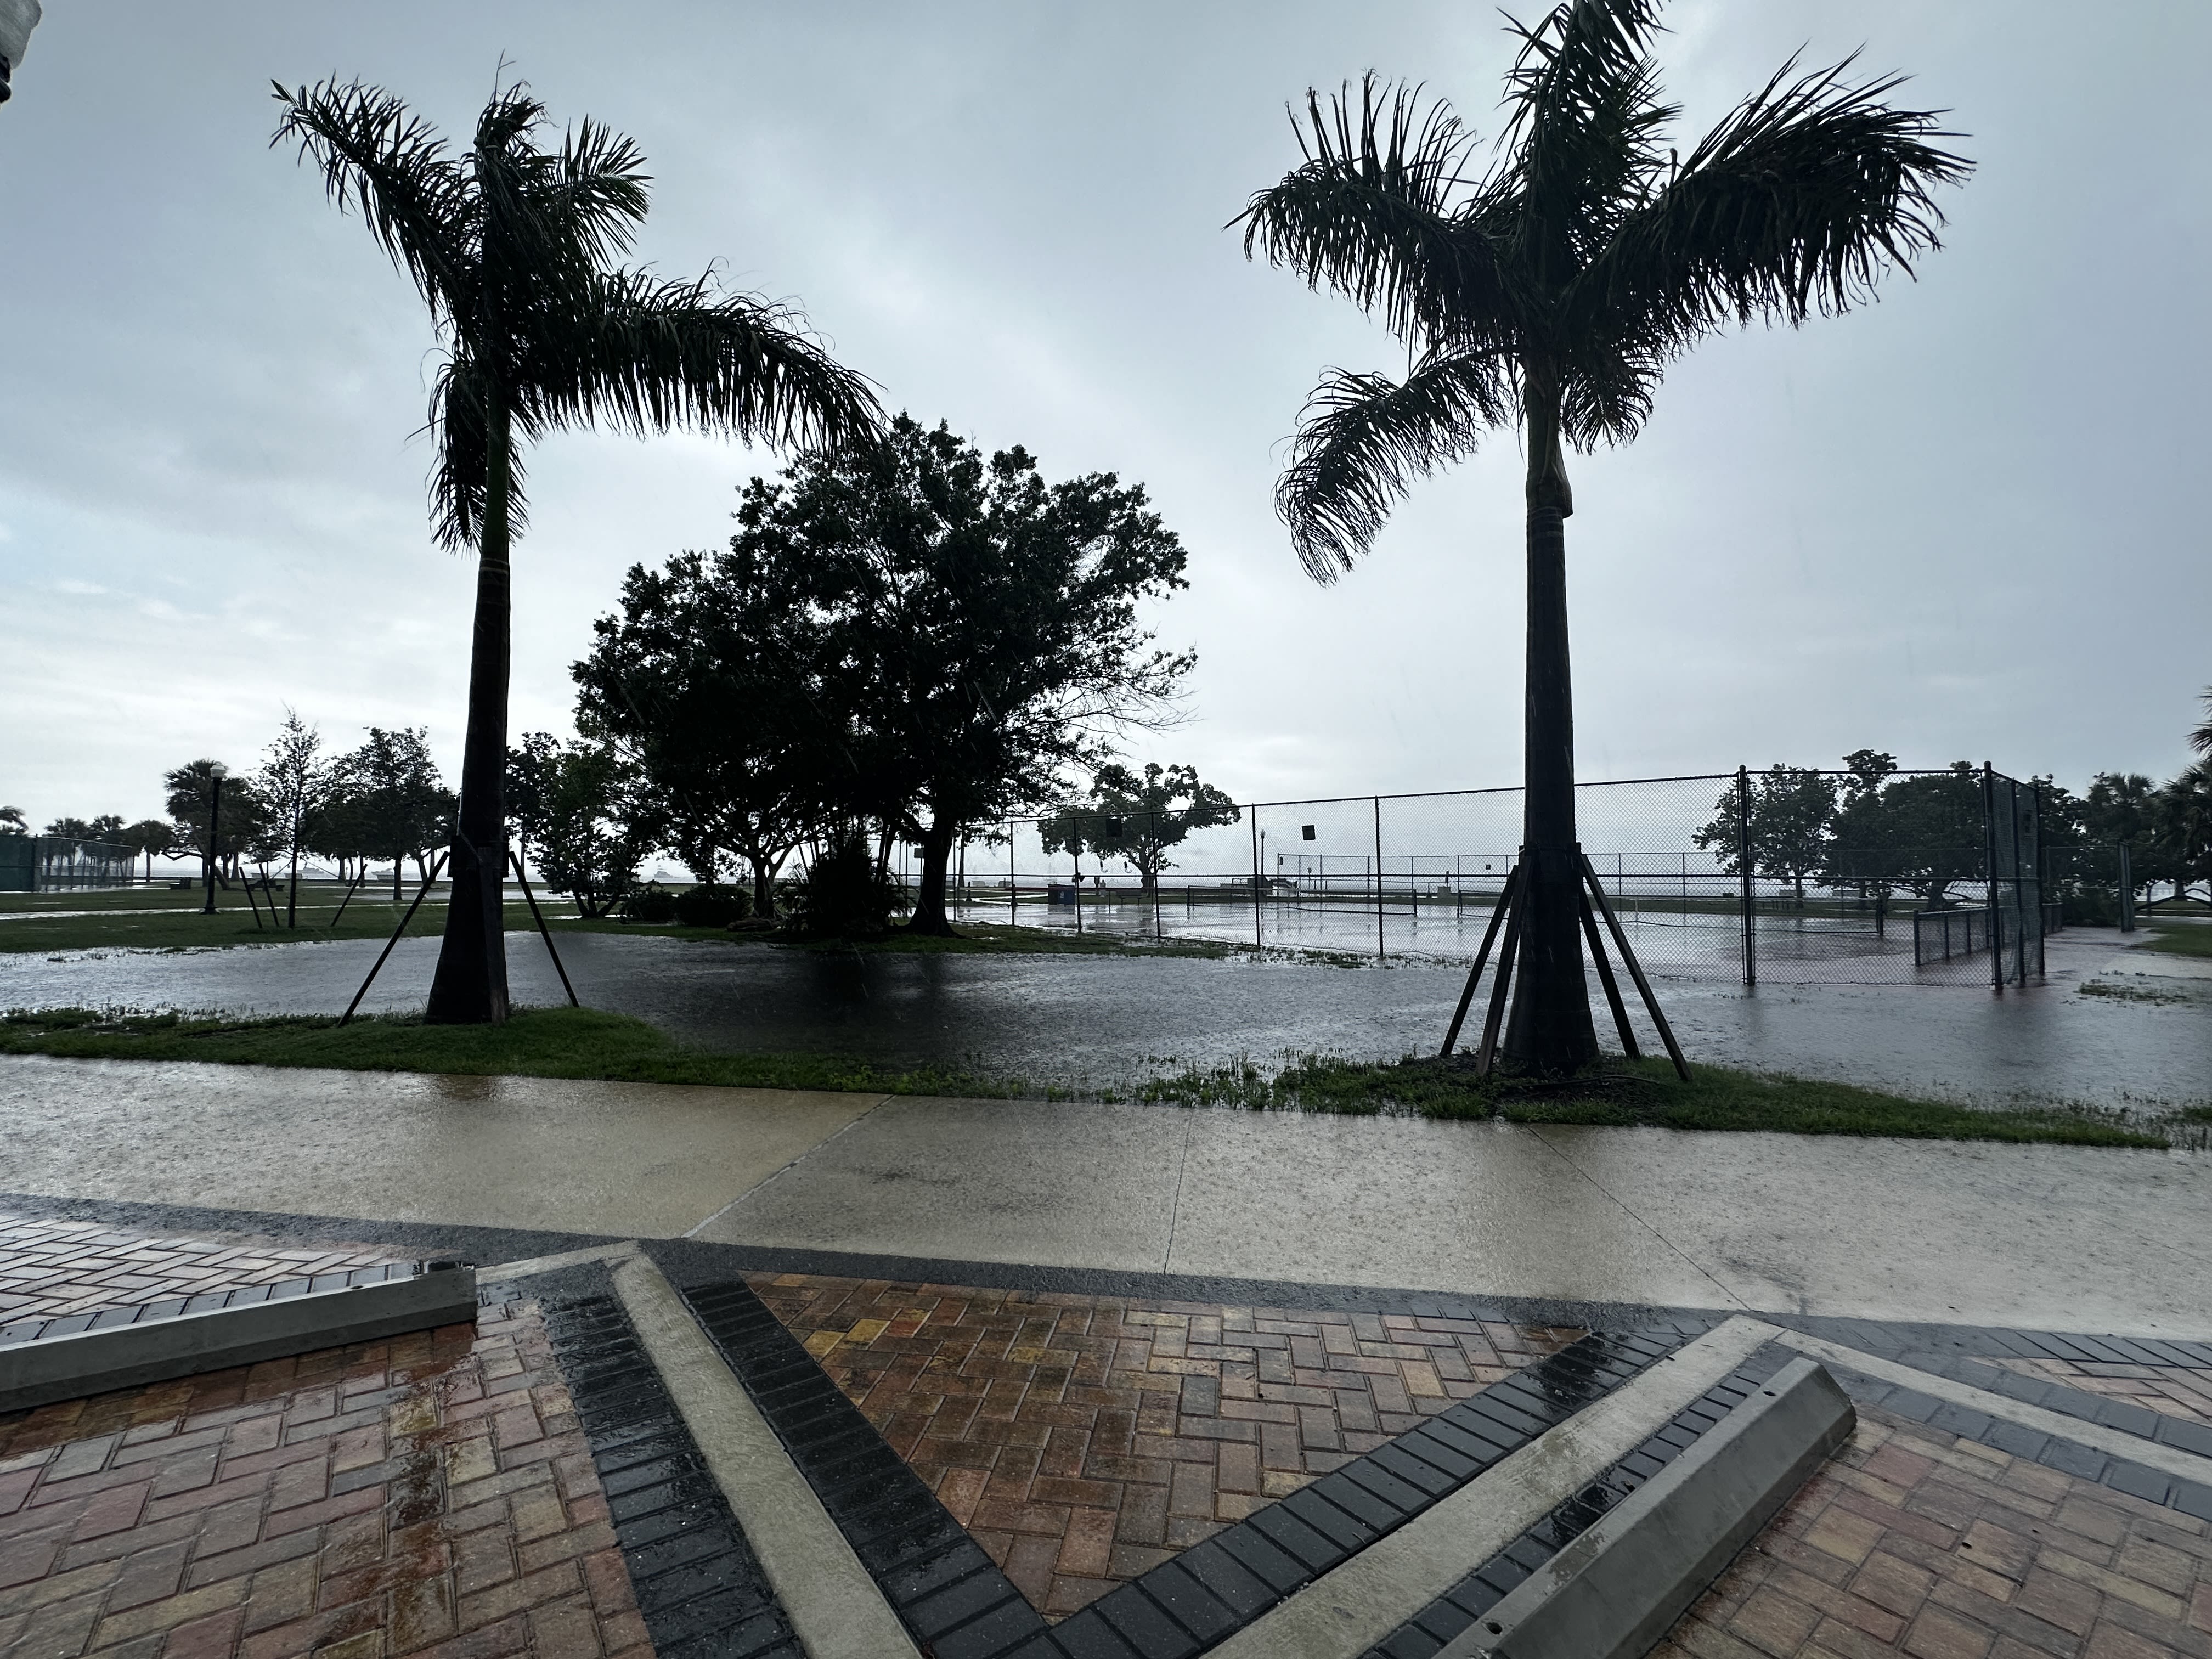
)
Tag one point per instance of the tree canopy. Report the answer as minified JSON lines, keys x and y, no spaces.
{"x":1137,"y":819}
{"x":915,"y":635}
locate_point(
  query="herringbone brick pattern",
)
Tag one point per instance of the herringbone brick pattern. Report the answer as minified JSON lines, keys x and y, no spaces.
{"x":428,"y":1494}
{"x":49,"y":1268}
{"x":1085,"y":1439}
{"x":2174,"y":1390}
{"x":1917,"y":1542}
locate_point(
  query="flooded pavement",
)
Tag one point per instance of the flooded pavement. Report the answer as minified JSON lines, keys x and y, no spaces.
{"x":1098,"y":1022}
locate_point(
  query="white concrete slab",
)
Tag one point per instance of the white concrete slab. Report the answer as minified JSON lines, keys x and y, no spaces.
{"x":1020,"y":1180}
{"x":635,"y":1159}
{"x":2075,"y":1238}
{"x":1417,"y":1204}
{"x":2063,"y":1237}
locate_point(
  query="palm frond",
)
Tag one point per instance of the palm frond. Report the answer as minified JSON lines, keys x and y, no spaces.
{"x":391,"y":164}
{"x":1605,"y":394}
{"x":647,"y":354}
{"x":1796,"y":201}
{"x":459,"y":476}
{"x":2201,"y":738}
{"x":1584,"y":113}
{"x":600,"y":188}
{"x":1362,"y":439}
{"x":1373,"y":211}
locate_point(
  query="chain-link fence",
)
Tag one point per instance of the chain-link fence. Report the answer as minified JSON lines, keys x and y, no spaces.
{"x":1789,"y":876}
{"x":39,"y":864}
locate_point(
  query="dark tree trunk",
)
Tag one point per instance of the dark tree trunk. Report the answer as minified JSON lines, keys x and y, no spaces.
{"x":470,"y":987}
{"x":763,"y":883}
{"x":1549,"y":1031}
{"x":929,"y":916}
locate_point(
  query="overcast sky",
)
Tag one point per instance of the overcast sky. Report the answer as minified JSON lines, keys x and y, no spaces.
{"x":1966,"y":522}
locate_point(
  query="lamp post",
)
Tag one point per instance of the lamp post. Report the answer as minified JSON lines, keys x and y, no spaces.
{"x":216,"y":773}
{"x":17,"y":19}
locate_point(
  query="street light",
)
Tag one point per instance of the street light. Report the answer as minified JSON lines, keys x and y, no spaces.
{"x":17,"y":19}
{"x":216,"y":772}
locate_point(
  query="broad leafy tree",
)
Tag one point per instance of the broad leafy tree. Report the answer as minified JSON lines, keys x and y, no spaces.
{"x":1138,"y":820}
{"x":976,"y":630}
{"x":394,"y":803}
{"x":706,"y":676}
{"x":579,"y":805}
{"x":510,"y":244}
{"x":1549,"y":292}
{"x":12,"y":821}
{"x":1791,"y":808}
{"x":1922,"y":832}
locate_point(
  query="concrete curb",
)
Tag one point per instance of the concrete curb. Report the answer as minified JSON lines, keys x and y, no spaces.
{"x":125,"y":1348}
{"x":1356,"y":1606}
{"x":1614,"y":1591}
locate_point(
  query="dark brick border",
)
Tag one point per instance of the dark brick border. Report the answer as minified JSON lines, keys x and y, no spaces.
{"x":698,"y":1583}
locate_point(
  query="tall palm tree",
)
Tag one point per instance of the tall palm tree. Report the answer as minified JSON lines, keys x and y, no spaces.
{"x":2201,"y":738}
{"x":510,"y":246}
{"x":1550,"y":291}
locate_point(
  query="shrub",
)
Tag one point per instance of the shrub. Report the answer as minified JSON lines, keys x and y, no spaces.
{"x":843,"y":894}
{"x":712,"y":905}
{"x":651,"y":903}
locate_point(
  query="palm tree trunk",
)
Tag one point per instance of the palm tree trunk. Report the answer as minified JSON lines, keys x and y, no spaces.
{"x":1549,"y":1030}
{"x":470,"y":987}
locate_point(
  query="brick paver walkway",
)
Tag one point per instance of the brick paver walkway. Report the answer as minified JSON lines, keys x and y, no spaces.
{"x":1917,"y":1542}
{"x":432,"y":1493}
{"x":1085,"y":1439}
{"x":2174,"y":1390}
{"x":49,"y":1268}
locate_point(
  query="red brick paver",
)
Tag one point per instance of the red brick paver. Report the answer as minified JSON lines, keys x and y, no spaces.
{"x":49,"y":1268}
{"x":430,"y":1493}
{"x":1085,"y":1439}
{"x":1917,"y":1542}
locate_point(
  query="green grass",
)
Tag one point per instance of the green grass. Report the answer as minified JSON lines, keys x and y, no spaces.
{"x":1633,"y":1092}
{"x":181,"y":926}
{"x":2185,"y":939}
{"x":575,"y":1042}
{"x":583,"y":1042}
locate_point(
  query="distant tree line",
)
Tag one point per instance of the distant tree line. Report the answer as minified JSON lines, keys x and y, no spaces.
{"x":1870,"y":829}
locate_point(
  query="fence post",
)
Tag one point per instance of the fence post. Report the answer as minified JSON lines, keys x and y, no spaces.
{"x":1379,"y":953}
{"x":1258,"y":942}
{"x":1743,"y":871}
{"x":1995,"y":925}
{"x":2127,"y":892}
{"x":1013,"y":880}
{"x":1158,"y":932}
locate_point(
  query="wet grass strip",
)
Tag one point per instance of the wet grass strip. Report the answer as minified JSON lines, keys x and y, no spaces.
{"x":1631,"y":1093}
{"x":587,"y":1042}
{"x":559,"y":1043}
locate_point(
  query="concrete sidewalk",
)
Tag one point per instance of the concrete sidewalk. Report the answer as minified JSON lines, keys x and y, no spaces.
{"x":2059,"y":1237}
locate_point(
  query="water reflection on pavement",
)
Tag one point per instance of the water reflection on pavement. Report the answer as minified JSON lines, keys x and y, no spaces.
{"x":1104,"y":1020}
